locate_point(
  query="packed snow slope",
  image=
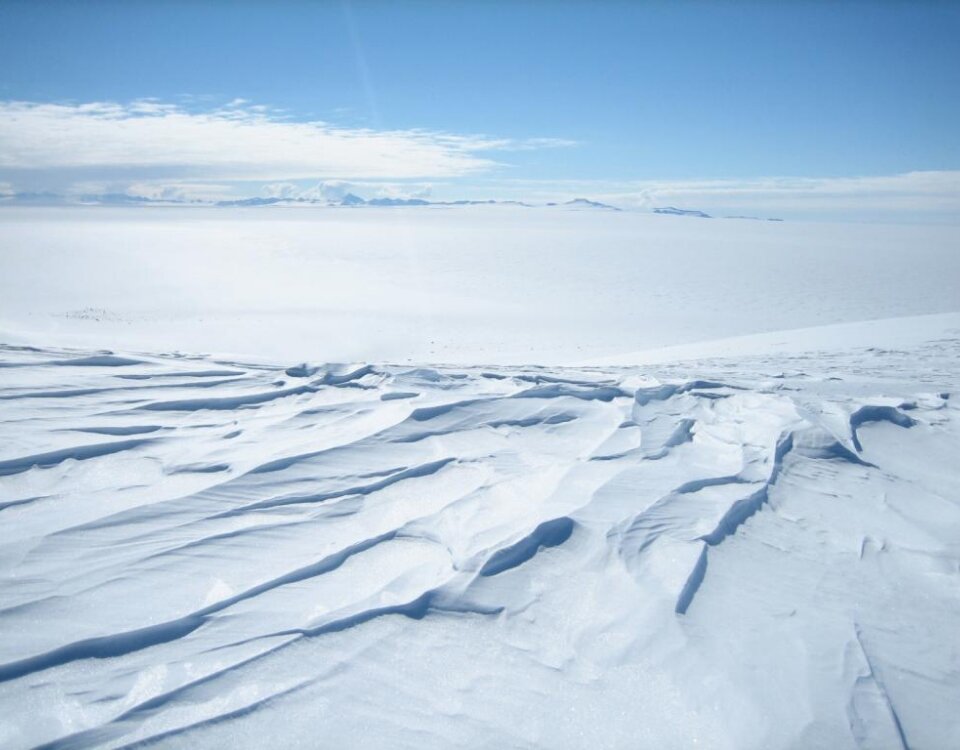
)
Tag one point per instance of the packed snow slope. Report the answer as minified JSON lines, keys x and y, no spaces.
{"x":760,"y":552}
{"x":465,"y":285}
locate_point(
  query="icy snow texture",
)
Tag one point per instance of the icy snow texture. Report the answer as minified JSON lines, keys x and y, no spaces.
{"x":757,"y":553}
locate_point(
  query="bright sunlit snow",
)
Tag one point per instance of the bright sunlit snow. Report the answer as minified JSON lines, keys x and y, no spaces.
{"x":475,"y":285}
{"x":742,"y":543}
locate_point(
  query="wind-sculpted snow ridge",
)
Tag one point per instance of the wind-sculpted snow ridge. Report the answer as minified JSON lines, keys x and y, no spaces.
{"x":753,"y":554}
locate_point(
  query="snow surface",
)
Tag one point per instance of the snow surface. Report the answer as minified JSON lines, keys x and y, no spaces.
{"x":746,"y":543}
{"x":465,"y":285}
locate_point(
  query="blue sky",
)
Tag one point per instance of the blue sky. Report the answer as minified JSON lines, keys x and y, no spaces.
{"x":547,"y":99}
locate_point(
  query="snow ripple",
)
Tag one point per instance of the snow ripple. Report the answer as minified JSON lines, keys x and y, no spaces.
{"x":597,"y":539}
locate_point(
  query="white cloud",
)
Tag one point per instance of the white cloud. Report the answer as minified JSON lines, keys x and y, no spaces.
{"x":237,"y":142}
{"x":331,"y":190}
{"x":280,"y":190}
{"x":531,"y":144}
{"x":406,"y":190}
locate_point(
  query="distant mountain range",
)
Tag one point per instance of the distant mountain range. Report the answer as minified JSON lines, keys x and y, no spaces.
{"x":682,"y":212}
{"x":673,"y":211}
{"x":355,"y":200}
{"x":753,"y":218}
{"x":348,"y":200}
{"x":104,"y":199}
{"x":584,"y":203}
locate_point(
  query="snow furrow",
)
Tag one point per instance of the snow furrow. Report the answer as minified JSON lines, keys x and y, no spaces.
{"x":367,"y":542}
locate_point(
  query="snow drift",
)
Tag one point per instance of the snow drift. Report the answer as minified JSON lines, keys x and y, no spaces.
{"x":729,"y":554}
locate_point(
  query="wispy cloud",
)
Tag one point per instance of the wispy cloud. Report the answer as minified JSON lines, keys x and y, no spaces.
{"x":238,"y":141}
{"x":533,"y":144}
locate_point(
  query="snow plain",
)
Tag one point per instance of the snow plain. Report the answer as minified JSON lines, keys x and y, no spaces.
{"x":750,"y":543}
{"x":487,"y":284}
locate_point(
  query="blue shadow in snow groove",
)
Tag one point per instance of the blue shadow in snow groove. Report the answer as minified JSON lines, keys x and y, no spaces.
{"x":548,"y":534}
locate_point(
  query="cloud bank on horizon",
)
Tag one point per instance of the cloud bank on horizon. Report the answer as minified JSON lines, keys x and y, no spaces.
{"x":240,"y":149}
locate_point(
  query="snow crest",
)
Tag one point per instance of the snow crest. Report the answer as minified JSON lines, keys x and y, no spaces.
{"x":198,"y":551}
